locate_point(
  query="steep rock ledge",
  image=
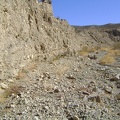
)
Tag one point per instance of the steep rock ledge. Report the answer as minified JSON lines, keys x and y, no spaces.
{"x":29,"y":32}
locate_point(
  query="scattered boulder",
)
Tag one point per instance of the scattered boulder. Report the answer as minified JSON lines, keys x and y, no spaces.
{"x":94,"y":97}
{"x":3,"y":85}
{"x":73,"y":118}
{"x":56,"y":90}
{"x":108,"y":90}
{"x":70,"y":76}
{"x":115,"y":78}
{"x":118,"y":96}
{"x":118,"y":84}
{"x":94,"y":57}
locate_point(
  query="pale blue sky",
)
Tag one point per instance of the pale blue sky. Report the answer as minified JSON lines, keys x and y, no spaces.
{"x":87,"y":12}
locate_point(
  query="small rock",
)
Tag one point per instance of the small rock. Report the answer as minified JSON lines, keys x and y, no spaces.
{"x":92,"y":57}
{"x":116,"y":78}
{"x":118,"y":114}
{"x":26,"y":101}
{"x":36,"y":118}
{"x":10,"y":80}
{"x":118,"y":96}
{"x":85,"y":92}
{"x":73,"y":118}
{"x":108,"y":90}
{"x":12,"y":105}
{"x":76,"y":70}
{"x":94,"y":97}
{"x":56,"y":90}
{"x":46,"y":107}
{"x":70,"y":77}
{"x":46,"y":75}
{"x":3,"y":86}
{"x":1,"y":90}
{"x":118,"y":84}
{"x":85,"y":98}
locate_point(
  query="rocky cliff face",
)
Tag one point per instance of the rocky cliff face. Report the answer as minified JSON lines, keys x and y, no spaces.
{"x":29,"y":32}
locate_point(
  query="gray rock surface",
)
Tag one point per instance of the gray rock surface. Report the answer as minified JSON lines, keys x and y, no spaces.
{"x":43,"y":76}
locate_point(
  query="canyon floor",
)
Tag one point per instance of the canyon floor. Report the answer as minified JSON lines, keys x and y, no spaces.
{"x":79,"y":87}
{"x":50,"y":70}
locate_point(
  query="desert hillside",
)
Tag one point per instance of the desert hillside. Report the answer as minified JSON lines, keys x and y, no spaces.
{"x":50,"y":70}
{"x":108,"y":33}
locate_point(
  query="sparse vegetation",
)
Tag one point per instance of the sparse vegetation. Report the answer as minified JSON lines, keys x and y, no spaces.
{"x":111,"y":55}
{"x":12,"y":89}
{"x":23,"y":73}
{"x":116,"y":45}
{"x":86,"y":50}
{"x":107,"y":59}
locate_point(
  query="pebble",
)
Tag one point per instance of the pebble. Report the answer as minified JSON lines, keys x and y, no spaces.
{"x":108,"y":90}
{"x":56,"y":90}
{"x":118,"y":84}
{"x":3,"y":86}
{"x":94,"y":97}
{"x":118,"y":96}
{"x":115,"y":78}
{"x":70,"y":77}
{"x":10,"y":80}
{"x":75,"y":118}
{"x":36,"y":118}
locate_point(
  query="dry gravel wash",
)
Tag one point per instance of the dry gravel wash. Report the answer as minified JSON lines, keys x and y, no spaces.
{"x":68,"y":88}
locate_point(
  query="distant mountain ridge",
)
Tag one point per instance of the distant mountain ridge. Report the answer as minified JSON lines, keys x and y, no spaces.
{"x":111,"y":31}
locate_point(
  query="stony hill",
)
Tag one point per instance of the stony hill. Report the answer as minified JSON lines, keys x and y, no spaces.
{"x":43,"y":74}
{"x":29,"y":31}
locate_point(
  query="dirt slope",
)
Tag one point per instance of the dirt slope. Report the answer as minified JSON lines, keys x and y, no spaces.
{"x":50,"y":70}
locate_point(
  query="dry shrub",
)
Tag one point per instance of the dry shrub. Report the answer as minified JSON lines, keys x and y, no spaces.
{"x":30,"y":67}
{"x":86,"y":50}
{"x":83,"y":53}
{"x":114,"y":52}
{"x":2,"y":99}
{"x":13,"y":89}
{"x":110,"y":57}
{"x":116,"y":45}
{"x":61,"y":70}
{"x":94,"y":49}
{"x":57,"y":57}
{"x":105,"y":48}
{"x":21,"y":74}
{"x":48,"y":86}
{"x":107,"y":59}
